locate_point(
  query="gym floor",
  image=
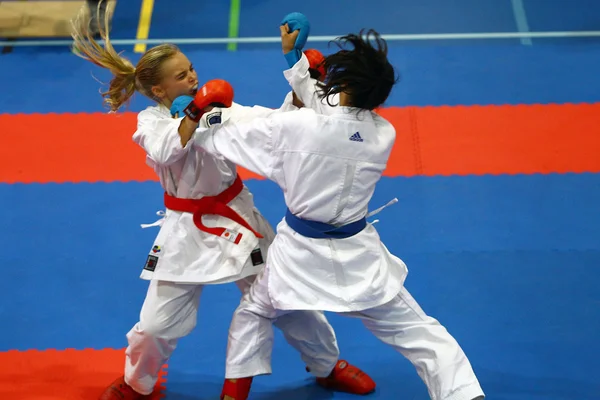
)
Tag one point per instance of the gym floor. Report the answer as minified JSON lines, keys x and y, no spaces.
{"x":496,"y":168}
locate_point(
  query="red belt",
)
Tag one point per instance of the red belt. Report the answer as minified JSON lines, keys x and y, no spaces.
{"x":216,"y":205}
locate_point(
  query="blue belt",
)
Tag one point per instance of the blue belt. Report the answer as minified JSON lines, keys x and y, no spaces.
{"x":320,"y":230}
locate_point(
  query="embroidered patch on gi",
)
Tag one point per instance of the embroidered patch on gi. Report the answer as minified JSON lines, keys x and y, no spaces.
{"x":214,"y":118}
{"x":256,"y":257}
{"x":156,"y":249}
{"x":151,"y":263}
{"x":232,"y":236}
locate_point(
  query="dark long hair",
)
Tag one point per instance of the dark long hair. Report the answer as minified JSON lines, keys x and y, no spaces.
{"x":363,"y":71}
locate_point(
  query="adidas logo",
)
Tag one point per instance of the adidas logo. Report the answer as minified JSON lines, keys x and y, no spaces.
{"x":356,"y":137}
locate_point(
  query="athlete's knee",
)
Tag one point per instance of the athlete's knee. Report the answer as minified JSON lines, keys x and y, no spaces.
{"x":249,"y":309}
{"x":316,"y":322}
{"x":166,"y":328}
{"x":310,"y":328}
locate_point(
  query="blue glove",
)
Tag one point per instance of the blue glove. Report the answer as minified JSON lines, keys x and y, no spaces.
{"x":296,"y":21}
{"x":179,"y":104}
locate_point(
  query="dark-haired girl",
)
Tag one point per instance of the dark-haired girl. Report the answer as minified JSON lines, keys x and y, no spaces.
{"x":326,"y":256}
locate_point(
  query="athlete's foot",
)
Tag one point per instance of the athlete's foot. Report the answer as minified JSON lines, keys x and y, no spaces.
{"x":348,"y":378}
{"x":119,"y":390}
{"x":236,"y":389}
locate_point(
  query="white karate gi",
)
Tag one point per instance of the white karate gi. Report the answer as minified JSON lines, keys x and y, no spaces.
{"x":327,"y":167}
{"x":186,"y":259}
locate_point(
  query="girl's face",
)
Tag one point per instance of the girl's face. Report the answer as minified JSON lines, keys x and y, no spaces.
{"x":178,"y":79}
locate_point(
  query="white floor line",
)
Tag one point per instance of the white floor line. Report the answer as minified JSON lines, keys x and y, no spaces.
{"x":315,"y":39}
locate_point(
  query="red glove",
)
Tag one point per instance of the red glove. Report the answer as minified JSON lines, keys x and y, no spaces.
{"x":316,"y":62}
{"x":216,"y":92}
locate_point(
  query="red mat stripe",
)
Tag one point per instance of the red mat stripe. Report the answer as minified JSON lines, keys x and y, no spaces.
{"x":522,"y":139}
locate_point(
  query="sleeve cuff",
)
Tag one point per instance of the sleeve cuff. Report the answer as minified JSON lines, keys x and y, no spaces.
{"x":299,"y":68}
{"x":293,"y":57}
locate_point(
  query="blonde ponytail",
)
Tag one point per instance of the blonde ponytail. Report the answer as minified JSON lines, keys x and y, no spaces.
{"x":123,"y":84}
{"x":126,"y":78}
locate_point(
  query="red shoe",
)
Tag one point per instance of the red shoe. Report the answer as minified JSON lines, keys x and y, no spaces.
{"x":348,"y":378}
{"x":238,"y":390}
{"x":119,"y":390}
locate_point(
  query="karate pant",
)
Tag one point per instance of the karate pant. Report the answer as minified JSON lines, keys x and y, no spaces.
{"x":400,"y":323}
{"x":169,"y":313}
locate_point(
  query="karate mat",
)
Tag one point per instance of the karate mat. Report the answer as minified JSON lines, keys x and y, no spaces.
{"x":496,"y":168}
